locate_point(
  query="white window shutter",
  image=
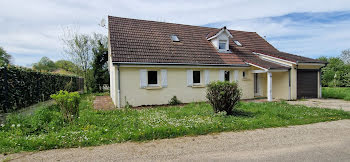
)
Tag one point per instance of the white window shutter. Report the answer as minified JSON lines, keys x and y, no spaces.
{"x":221,"y":75}
{"x":189,"y":78}
{"x":206,"y":77}
{"x":236,"y":75}
{"x":143,"y":78}
{"x":164,"y":75}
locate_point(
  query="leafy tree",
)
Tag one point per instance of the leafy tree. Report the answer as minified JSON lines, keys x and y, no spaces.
{"x":345,"y":56}
{"x":78,"y":47}
{"x":68,"y":66}
{"x":45,"y":65}
{"x":336,"y":73}
{"x":5,"y":58}
{"x":99,"y":65}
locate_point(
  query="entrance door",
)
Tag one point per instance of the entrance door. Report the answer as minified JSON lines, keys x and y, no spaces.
{"x":256,"y":85}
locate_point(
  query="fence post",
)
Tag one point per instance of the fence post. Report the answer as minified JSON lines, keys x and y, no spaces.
{"x":6,"y":94}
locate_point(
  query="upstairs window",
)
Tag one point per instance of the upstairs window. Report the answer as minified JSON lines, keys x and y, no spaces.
{"x":152,"y":78}
{"x":174,"y":38}
{"x":222,"y":45}
{"x":237,"y":43}
{"x":227,"y":76}
{"x":196,"y":77}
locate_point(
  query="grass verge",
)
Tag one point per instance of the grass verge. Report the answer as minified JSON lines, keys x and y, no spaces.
{"x":45,"y":129}
{"x":336,"y":92}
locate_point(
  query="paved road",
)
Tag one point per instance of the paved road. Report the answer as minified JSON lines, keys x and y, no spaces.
{"x":329,"y":141}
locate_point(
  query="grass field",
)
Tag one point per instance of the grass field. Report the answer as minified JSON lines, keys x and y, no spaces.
{"x":45,"y":129}
{"x":336,"y":92}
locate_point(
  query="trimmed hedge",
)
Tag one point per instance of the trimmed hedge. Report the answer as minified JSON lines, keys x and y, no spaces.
{"x":21,"y":87}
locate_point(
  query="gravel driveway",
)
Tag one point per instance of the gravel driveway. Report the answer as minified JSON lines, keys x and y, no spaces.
{"x":324,"y":103}
{"x":328,"y":141}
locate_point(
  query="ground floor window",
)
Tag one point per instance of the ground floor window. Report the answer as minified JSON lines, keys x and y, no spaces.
{"x":227,"y":76}
{"x":196,"y":77}
{"x":152,"y":78}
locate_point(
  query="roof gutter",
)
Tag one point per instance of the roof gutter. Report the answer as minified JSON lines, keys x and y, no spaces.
{"x":146,"y":63}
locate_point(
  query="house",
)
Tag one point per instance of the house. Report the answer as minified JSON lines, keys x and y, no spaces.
{"x":150,"y":62}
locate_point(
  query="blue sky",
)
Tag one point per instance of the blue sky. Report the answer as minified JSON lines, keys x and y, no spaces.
{"x":31,"y":30}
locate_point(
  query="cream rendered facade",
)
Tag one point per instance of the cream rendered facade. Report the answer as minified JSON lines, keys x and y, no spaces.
{"x":131,"y":92}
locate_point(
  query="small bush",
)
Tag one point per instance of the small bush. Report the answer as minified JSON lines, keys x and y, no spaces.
{"x":223,"y":96}
{"x":174,"y":101}
{"x":68,"y":103}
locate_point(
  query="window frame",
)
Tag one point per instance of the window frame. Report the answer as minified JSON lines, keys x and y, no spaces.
{"x":238,"y":43}
{"x":225,"y":47}
{"x":174,"y":38}
{"x":157,"y":78}
{"x":200,"y":77}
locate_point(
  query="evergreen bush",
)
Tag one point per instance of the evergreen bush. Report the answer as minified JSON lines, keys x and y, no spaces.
{"x":223,"y":96}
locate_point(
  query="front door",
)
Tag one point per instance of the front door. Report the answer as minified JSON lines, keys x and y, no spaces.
{"x":256,"y":85}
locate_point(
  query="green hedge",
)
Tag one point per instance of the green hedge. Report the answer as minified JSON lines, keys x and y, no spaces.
{"x":21,"y":87}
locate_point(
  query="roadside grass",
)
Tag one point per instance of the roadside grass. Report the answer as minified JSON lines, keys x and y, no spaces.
{"x":45,"y":129}
{"x":336,"y":92}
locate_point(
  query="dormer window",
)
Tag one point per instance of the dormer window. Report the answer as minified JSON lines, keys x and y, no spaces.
{"x":222,"y":45}
{"x":174,"y":38}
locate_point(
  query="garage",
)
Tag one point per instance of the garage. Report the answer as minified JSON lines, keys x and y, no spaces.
{"x":307,"y":81}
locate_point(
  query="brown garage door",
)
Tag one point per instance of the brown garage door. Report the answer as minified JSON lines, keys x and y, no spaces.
{"x":307,"y":83}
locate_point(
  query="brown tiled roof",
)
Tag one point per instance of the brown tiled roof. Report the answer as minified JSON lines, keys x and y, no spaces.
{"x":288,"y":56}
{"x":248,"y":56}
{"x":141,"y":41}
{"x":215,"y":31}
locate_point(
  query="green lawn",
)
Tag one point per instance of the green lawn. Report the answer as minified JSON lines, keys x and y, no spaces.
{"x":45,"y":129}
{"x":336,"y":92}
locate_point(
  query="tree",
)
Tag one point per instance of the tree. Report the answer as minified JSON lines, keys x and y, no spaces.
{"x":345,"y":56}
{"x":68,"y":66}
{"x":78,"y":47}
{"x":45,"y":65}
{"x":5,"y":58}
{"x":99,"y":65}
{"x":336,"y":73}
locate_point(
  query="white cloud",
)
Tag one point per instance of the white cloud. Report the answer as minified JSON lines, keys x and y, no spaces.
{"x":34,"y":26}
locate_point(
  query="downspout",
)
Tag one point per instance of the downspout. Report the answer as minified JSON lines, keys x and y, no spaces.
{"x":296,"y":78}
{"x":289,"y":84}
{"x":119,"y":102}
{"x":320,"y":83}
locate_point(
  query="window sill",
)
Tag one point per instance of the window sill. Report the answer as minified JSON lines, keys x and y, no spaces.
{"x":245,"y":79}
{"x":153,"y":87}
{"x":198,"y":86}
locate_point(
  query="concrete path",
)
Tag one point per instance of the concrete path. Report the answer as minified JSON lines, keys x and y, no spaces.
{"x":324,"y":103}
{"x":328,"y":141}
{"x":103,"y":103}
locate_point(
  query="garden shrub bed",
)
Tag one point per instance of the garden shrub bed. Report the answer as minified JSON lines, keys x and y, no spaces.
{"x":46,"y":129}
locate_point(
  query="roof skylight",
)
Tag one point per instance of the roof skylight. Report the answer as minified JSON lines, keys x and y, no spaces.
{"x":238,"y":43}
{"x":174,"y":38}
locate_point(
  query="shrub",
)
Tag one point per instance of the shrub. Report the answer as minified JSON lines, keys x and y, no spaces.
{"x":223,"y":96}
{"x":68,"y":103}
{"x":174,"y":101}
{"x":23,"y":87}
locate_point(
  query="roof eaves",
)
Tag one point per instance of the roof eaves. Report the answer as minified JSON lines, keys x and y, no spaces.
{"x":219,"y":32}
{"x":149,"y":63}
